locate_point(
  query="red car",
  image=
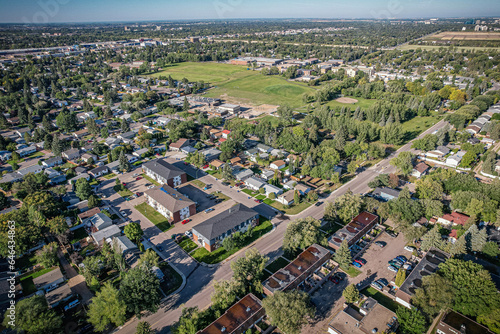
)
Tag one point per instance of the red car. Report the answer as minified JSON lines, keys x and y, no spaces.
{"x":258,"y":201}
{"x":138,"y":178}
{"x":137,"y":194}
{"x":185,"y":221}
{"x":360,"y":261}
{"x":124,"y":184}
{"x":205,"y":166}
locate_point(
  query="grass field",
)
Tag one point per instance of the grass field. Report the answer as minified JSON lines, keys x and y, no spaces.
{"x":437,"y":47}
{"x":188,"y":245}
{"x":417,"y":125}
{"x":154,"y":216}
{"x":150,"y":179}
{"x":239,"y":84}
{"x":198,"y":183}
{"x":122,"y":191}
{"x":381,"y":298}
{"x":294,"y":209}
{"x":363,"y":103}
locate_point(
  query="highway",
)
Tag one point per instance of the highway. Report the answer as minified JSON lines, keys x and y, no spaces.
{"x":198,"y":287}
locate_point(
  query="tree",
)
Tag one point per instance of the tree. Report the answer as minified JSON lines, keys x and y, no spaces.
{"x":412,"y":321}
{"x":288,"y":310}
{"x":302,"y":233}
{"x":56,"y":146}
{"x":227,"y":172}
{"x":148,"y":259}
{"x":185,"y":104}
{"x":124,"y":126}
{"x":83,"y":189}
{"x":343,"y":255}
{"x":286,"y":114}
{"x":229,"y":243}
{"x":139,"y":289}
{"x":107,"y":308}
{"x":432,"y":239}
{"x":435,"y":295}
{"x":248,"y":271}
{"x":225,"y":293}
{"x":404,"y":162}
{"x":143,"y":327}
{"x":123,"y":162}
{"x":33,"y":316}
{"x":478,"y":240}
{"x":133,"y":231}
{"x":348,"y":206}
{"x":429,"y":188}
{"x":400,"y":277}
{"x":190,"y":321}
{"x":351,"y":294}
{"x":491,"y":249}
{"x":93,"y":202}
{"x":459,"y":247}
{"x":47,"y":256}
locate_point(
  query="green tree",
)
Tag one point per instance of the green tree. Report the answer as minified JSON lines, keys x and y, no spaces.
{"x":478,"y":240}
{"x":404,"y":162}
{"x":351,"y":294}
{"x":47,"y":256}
{"x":225,"y":294}
{"x":93,"y":202}
{"x":56,"y":146}
{"x":296,"y":197}
{"x":34,"y":316}
{"x":400,"y":277}
{"x":143,"y":327}
{"x":227,"y":172}
{"x":83,"y":189}
{"x":348,"y":206}
{"x":133,"y":231}
{"x":248,"y":271}
{"x":459,"y":247}
{"x":288,"y":310}
{"x":432,"y":239}
{"x":435,"y":295}
{"x":491,"y":249}
{"x":106,"y":308}
{"x":229,"y":243}
{"x":412,"y":321}
{"x":123,"y":162}
{"x":139,"y":289}
{"x":190,"y":321}
{"x":343,"y":255}
{"x":148,"y":259}
{"x":124,"y":126}
{"x":302,"y":233}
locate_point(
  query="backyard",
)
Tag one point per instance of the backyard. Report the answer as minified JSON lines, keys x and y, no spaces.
{"x":381,"y":298}
{"x":154,"y":216}
{"x":27,"y":281}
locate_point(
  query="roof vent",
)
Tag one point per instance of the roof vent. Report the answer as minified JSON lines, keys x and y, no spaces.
{"x":223,"y":329}
{"x":248,"y":309}
{"x":300,"y":268}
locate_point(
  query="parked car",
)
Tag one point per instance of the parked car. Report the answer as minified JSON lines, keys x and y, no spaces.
{"x":395,"y":264}
{"x":382,"y":281}
{"x":51,"y":288}
{"x":160,"y":248}
{"x":71,"y":305}
{"x":185,"y":221}
{"x":402,"y":258}
{"x":376,"y":285}
{"x":225,"y":183}
{"x":209,"y":210}
{"x":360,"y":261}
{"x":393,"y":269}
{"x":188,"y":234}
{"x":205,"y":166}
{"x":138,"y":178}
{"x":334,"y":279}
{"x":318,"y":203}
{"x":257,"y":201}
{"x":381,"y":244}
{"x":123,"y":213}
{"x":356,"y":264}
{"x":409,"y":248}
{"x":137,"y":194}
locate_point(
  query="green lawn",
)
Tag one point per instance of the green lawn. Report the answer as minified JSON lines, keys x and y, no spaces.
{"x":94,"y":182}
{"x":294,"y":209}
{"x":260,"y":197}
{"x":36,"y":154}
{"x":363,"y":103}
{"x":27,"y":281}
{"x":381,"y":298}
{"x":269,"y":201}
{"x":109,"y":176}
{"x":150,"y":179}
{"x":78,"y":235}
{"x":239,"y":84}
{"x":418,"y":124}
{"x":154,"y":216}
{"x":188,"y":245}
{"x":67,"y":165}
{"x":250,"y":192}
{"x":277,"y":264}
{"x":122,"y":191}
{"x":220,"y":195}
{"x":353,"y":272}
{"x":220,"y":254}
{"x":198,"y":183}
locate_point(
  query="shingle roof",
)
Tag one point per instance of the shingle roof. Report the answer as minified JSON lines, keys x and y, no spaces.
{"x":163,"y":168}
{"x":224,"y":221}
{"x":169,"y":198}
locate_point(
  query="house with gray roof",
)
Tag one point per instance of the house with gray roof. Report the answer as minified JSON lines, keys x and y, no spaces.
{"x":211,"y":154}
{"x":35,"y":169}
{"x":108,"y":233}
{"x":71,"y":154}
{"x":254,"y":183}
{"x":170,"y":203}
{"x":210,"y":233}
{"x":52,"y":162}
{"x":52,"y":278}
{"x":99,"y":221}
{"x":385,"y":193}
{"x":270,"y":189}
{"x":243,"y":174}
{"x":163,"y":172}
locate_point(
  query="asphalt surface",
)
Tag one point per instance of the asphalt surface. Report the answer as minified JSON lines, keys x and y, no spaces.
{"x":198,"y":287}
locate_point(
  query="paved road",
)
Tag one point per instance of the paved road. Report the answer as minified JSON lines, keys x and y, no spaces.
{"x":200,"y":278}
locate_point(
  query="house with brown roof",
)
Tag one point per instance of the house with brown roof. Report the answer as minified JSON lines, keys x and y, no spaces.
{"x":355,"y":230}
{"x":170,"y":203}
{"x":452,"y":219}
{"x":296,"y":272}
{"x":239,"y":318}
{"x":181,"y":143}
{"x":217,"y":163}
{"x":286,"y":198}
{"x":455,"y":323}
{"x":420,"y":169}
{"x":278,"y":164}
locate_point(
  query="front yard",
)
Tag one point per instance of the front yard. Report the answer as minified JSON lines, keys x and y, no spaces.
{"x":188,"y":245}
{"x":172,"y":279}
{"x":198,"y":183}
{"x":150,"y":179}
{"x":292,"y":210}
{"x":220,"y":254}
{"x":122,"y":191}
{"x":154,"y":216}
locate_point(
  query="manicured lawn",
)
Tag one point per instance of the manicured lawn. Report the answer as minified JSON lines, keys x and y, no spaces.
{"x":67,"y":165}
{"x":294,"y":209}
{"x":109,"y":176}
{"x":381,"y":298}
{"x":269,"y":201}
{"x":261,"y":197}
{"x":122,"y":191}
{"x":172,"y":279}
{"x":198,"y":183}
{"x":417,"y":125}
{"x":363,"y":103}
{"x":36,"y":154}
{"x":250,"y":192}
{"x":277,"y":264}
{"x":154,"y":216}
{"x":353,"y":272}
{"x":78,"y":235}
{"x":220,"y":254}
{"x":94,"y":182}
{"x":188,"y":245}
{"x":150,"y":179}
{"x":210,"y":72}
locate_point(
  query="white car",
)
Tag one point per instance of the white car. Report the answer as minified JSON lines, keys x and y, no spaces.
{"x":409,"y":248}
{"x":188,"y":234}
{"x":123,"y":213}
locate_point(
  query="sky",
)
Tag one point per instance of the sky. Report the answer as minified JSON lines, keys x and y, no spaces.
{"x":57,"y":11}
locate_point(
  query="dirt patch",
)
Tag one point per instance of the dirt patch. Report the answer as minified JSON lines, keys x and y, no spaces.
{"x":346,"y":100}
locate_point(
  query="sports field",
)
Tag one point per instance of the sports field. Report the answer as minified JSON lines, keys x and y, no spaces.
{"x":239,"y":85}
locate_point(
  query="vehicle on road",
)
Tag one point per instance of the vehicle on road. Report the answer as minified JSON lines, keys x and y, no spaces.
{"x":160,"y":248}
{"x":356,"y":264}
{"x":393,"y":269}
{"x":138,"y":178}
{"x":318,"y":203}
{"x":409,"y":248}
{"x":137,"y":194}
{"x":209,"y":210}
{"x":188,"y":234}
{"x":185,"y":221}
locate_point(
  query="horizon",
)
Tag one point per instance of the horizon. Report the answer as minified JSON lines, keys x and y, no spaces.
{"x":114,"y":11}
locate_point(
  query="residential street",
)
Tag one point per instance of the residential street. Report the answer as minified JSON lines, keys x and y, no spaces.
{"x":200,"y":278}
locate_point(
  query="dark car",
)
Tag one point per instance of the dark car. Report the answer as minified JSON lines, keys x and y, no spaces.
{"x":160,"y":248}
{"x":402,"y":258}
{"x":318,"y":203}
{"x":381,"y":244}
{"x":382,"y":281}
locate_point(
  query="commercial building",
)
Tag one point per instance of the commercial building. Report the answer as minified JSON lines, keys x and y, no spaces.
{"x":170,"y":203}
{"x":355,"y":230}
{"x":163,"y":172}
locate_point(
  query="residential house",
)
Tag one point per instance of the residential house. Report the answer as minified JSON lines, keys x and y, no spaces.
{"x":298,"y":271}
{"x":11,"y":177}
{"x":235,"y":160}
{"x":239,"y":318}
{"x":243,"y":174}
{"x":183,"y":142}
{"x":140,"y":153}
{"x":453,"y":219}
{"x":211,"y":232}
{"x":302,"y":188}
{"x":456,"y":323}
{"x":439,"y":152}
{"x":278,"y":164}
{"x":225,"y":134}
{"x":35,"y":169}
{"x":170,"y":203}
{"x":254,"y":183}
{"x":420,"y":170}
{"x":217,"y":164}
{"x":286,"y":198}
{"x":105,"y":234}
{"x":267,"y":175}
{"x":87,"y":214}
{"x":81,"y":176}
{"x":263,"y":148}
{"x":59,"y":295}
{"x":21,"y":132}
{"x":50,"y":279}
{"x":354,"y":231}
{"x":112,"y":142}
{"x":99,"y":171}
{"x":211,"y":154}
{"x":188,"y":149}
{"x":98,"y":221}
{"x":80,"y":134}
{"x":385,"y":193}
{"x":163,"y":172}
{"x":270,"y":189}
{"x":52,"y":162}
{"x":455,"y":159}
{"x":87,"y":156}
{"x":26,"y":151}
{"x":71,"y":154}
{"x":5,"y":155}
{"x":114,"y":166}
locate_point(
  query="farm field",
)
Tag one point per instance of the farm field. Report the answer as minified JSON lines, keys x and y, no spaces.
{"x":466,"y":36}
{"x":437,"y":47}
{"x":239,"y":85}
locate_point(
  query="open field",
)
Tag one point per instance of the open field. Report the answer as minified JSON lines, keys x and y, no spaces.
{"x":419,"y":124}
{"x":236,"y":84}
{"x":437,"y":47}
{"x":346,"y":100}
{"x":343,"y":102}
{"x":466,"y":36}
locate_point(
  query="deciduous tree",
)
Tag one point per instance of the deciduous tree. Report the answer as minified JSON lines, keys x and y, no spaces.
{"x":288,"y":310}
{"x":107,"y":308}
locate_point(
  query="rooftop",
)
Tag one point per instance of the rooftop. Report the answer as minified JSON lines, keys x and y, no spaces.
{"x":163,"y":168}
{"x":356,"y":225}
{"x":48,"y":278}
{"x":457,"y":320}
{"x":169,"y":198}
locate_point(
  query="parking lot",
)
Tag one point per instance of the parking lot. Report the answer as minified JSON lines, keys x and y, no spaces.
{"x":197,"y":195}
